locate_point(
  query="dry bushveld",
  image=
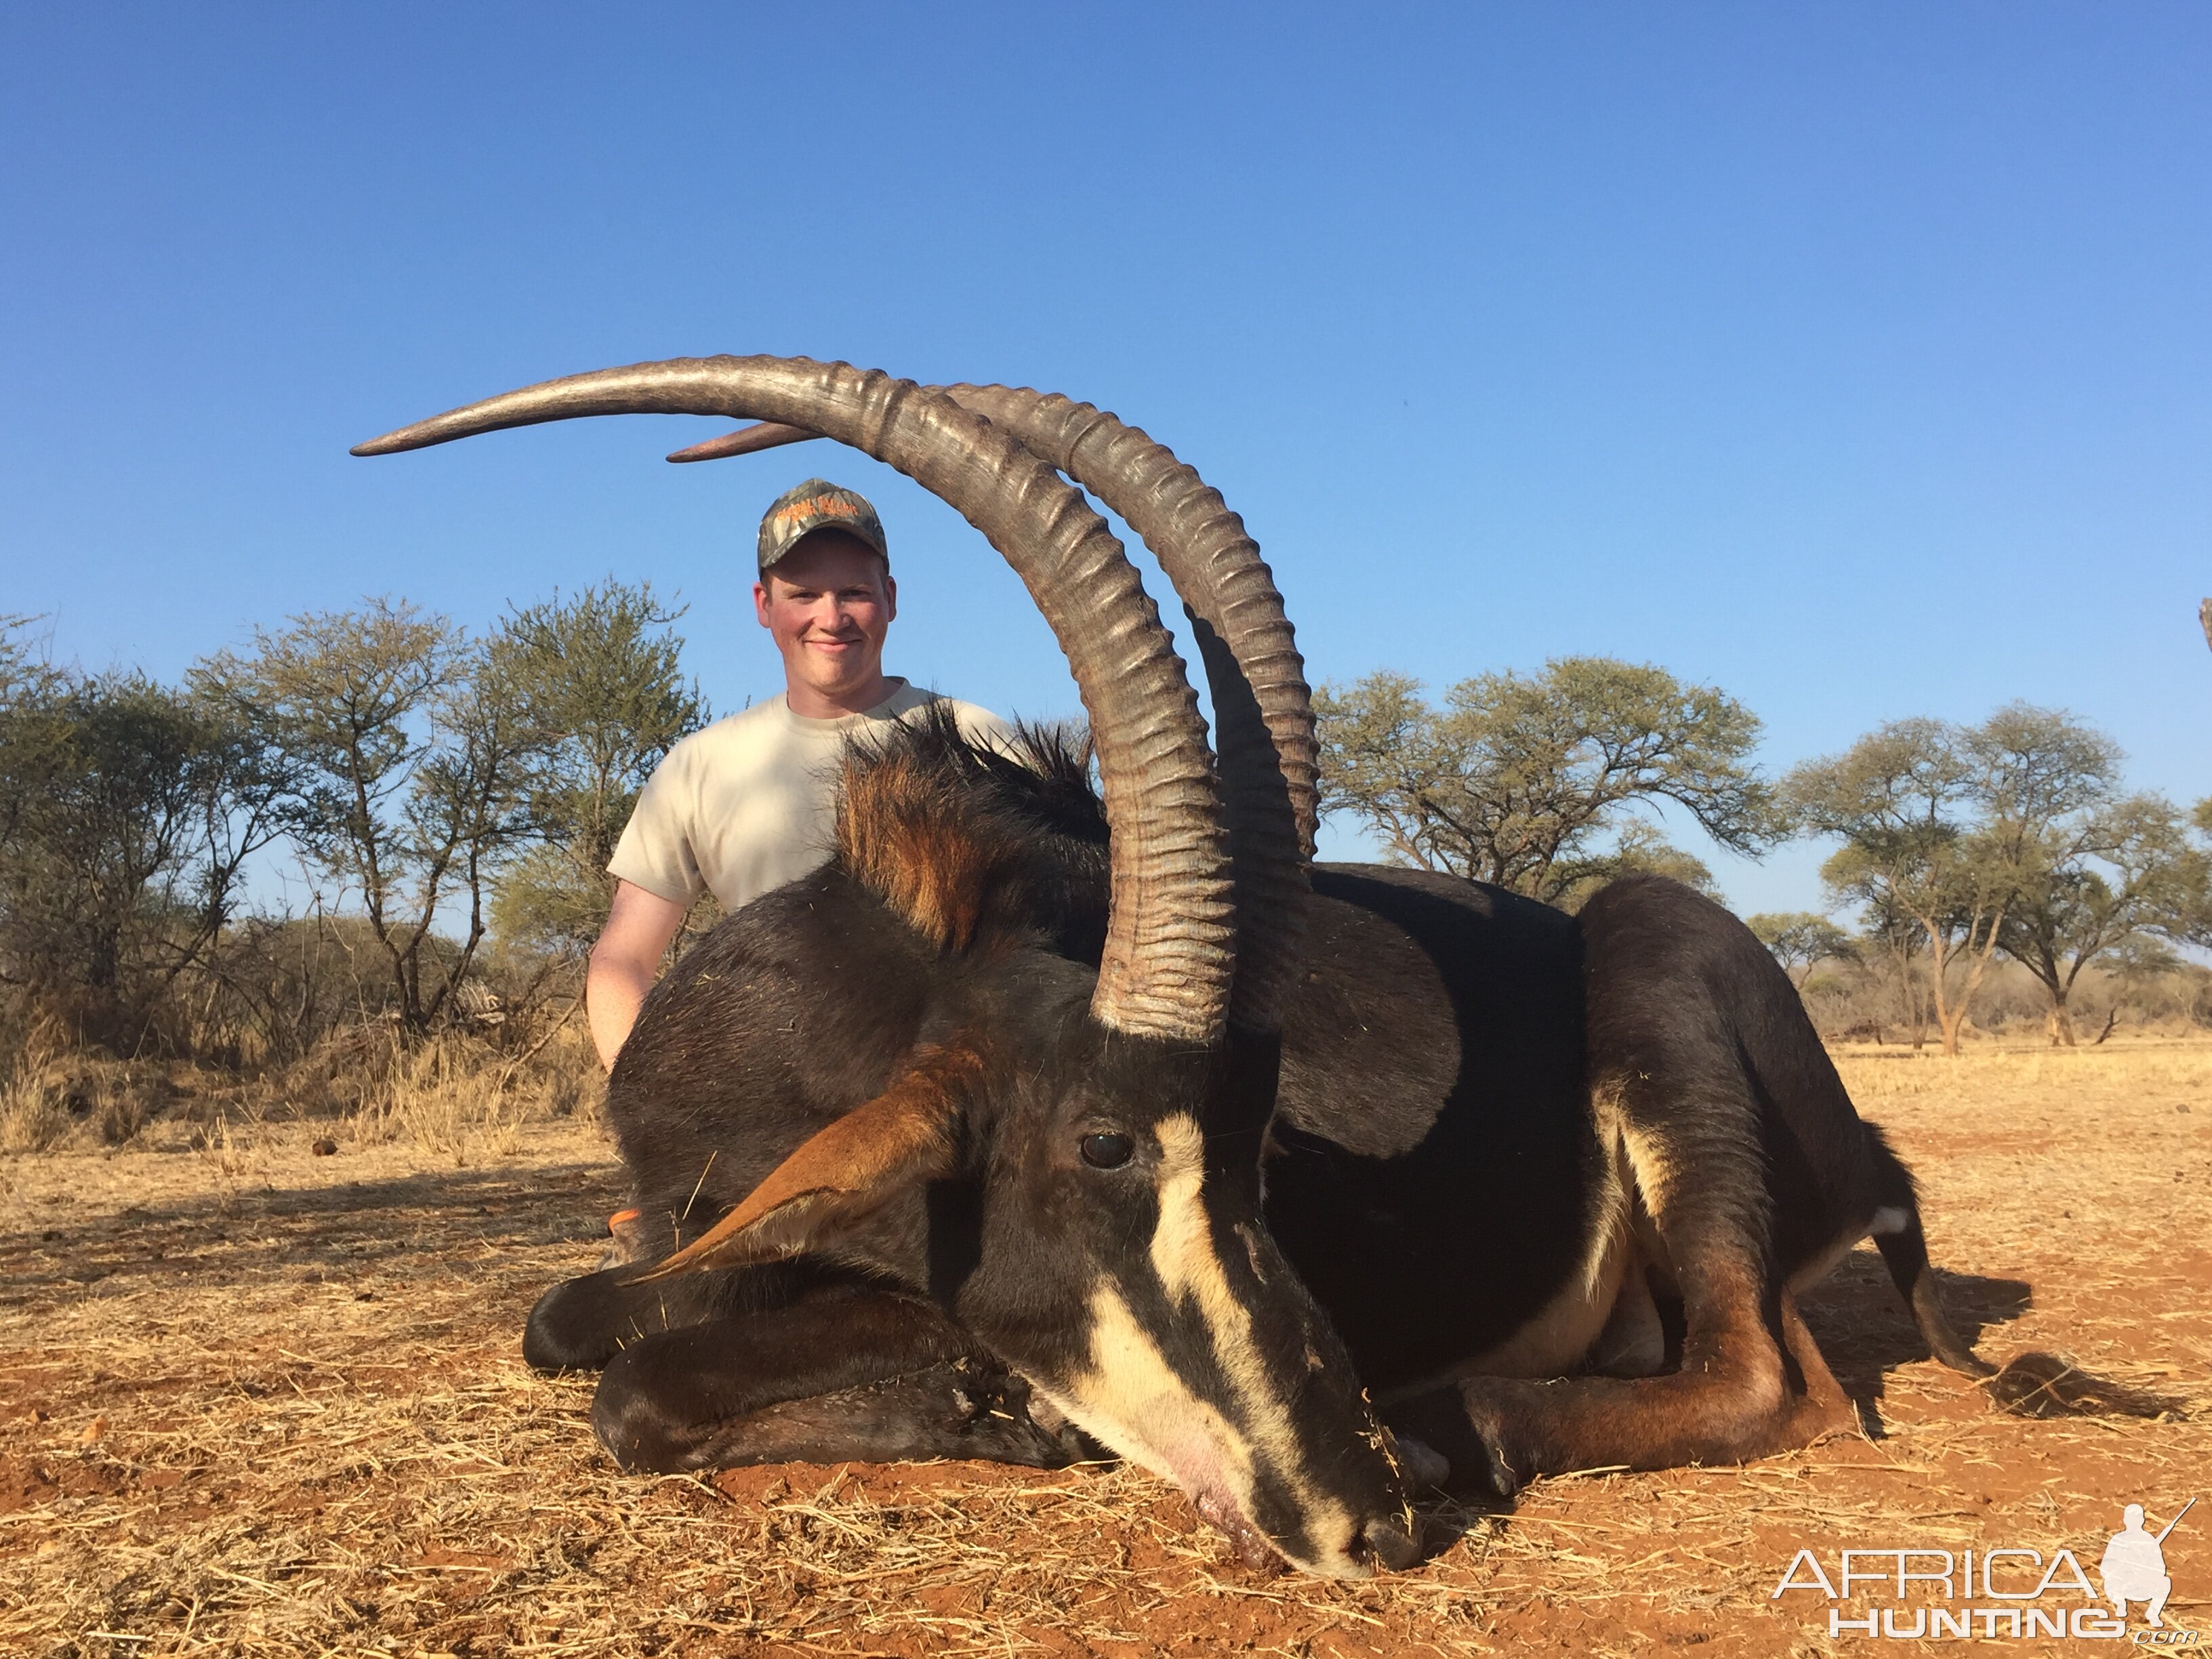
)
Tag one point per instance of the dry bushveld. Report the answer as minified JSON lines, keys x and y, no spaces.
{"x":257,"y":1400}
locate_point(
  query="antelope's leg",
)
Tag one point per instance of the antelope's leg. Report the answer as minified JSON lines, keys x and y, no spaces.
{"x":1750,"y":1384}
{"x":866,"y":1377}
{"x":1738,"y":1156}
{"x":1818,"y":1403}
{"x":583,"y":1322}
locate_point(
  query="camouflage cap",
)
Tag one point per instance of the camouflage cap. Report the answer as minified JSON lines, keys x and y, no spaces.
{"x":818,"y":504}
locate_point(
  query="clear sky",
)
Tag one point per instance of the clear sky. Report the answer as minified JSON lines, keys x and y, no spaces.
{"x":1856,"y":359}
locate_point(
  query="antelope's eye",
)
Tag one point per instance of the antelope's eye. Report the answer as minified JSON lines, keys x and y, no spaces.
{"x":1107,"y":1151}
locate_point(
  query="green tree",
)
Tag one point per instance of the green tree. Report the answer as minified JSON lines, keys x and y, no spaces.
{"x":471,"y":793}
{"x":1533,"y":782}
{"x":34,"y":731}
{"x":1800,"y":941}
{"x":1905,"y":799}
{"x":2196,"y":921}
{"x":111,"y":816}
{"x":409,"y":760}
{"x":130,"y":811}
{"x":2100,"y":884}
{"x":598,"y":678}
{"x":1949,"y":832}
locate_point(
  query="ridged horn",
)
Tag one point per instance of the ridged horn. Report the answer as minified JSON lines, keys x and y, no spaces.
{"x":1263,"y":708}
{"x":1168,"y":959}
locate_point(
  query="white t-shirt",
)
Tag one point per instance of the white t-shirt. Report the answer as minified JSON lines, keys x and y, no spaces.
{"x":743,"y":805}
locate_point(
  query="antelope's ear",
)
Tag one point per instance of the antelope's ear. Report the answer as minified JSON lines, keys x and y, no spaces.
{"x":911,"y":1133}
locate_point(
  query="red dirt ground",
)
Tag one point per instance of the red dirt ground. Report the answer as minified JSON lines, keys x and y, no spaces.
{"x":256,"y":1402}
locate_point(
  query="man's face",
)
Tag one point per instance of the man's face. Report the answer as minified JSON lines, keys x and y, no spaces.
{"x":828,"y":603}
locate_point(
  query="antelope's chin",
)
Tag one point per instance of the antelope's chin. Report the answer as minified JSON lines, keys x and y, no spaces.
{"x":1253,"y":1547}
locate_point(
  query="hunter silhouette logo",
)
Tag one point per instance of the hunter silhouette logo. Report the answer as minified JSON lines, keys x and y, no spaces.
{"x":2004,"y":1591}
{"x":2134,"y":1567}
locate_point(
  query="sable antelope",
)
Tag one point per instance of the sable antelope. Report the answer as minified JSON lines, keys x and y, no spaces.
{"x":1034,"y":1106}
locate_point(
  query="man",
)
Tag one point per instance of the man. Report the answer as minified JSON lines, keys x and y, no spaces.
{"x":749,"y":802}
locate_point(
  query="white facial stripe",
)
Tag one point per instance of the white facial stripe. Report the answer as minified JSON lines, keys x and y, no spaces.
{"x":1183,"y":1243}
{"x":1132,"y":1399}
{"x":1191,"y":1273}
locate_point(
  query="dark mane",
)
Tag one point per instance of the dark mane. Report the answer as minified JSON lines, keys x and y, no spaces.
{"x":973,"y":848}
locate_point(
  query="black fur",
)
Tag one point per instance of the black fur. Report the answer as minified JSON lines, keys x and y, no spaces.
{"x":1434,"y":1167}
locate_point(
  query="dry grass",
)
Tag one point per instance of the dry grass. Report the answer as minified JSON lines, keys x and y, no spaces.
{"x":32,"y":1115}
{"x":255,"y":1402}
{"x":455,"y":1096}
{"x":429,"y":1098}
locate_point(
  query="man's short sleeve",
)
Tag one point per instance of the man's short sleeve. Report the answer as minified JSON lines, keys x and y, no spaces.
{"x":655,"y":851}
{"x":980,"y":726}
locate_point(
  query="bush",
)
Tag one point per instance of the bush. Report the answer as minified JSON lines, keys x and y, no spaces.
{"x":1862,"y":1002}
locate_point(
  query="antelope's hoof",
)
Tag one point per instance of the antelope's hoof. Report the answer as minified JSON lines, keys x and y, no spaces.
{"x":1463,"y":1430}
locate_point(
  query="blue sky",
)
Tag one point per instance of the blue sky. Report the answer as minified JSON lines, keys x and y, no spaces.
{"x":1855,"y":358}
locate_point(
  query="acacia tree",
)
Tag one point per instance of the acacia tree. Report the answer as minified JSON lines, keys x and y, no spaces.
{"x":1532,"y":782}
{"x":1900,"y":940}
{"x":33,"y":734}
{"x":166,"y":797}
{"x":2098,"y":886}
{"x":127,"y":811}
{"x":102,"y":825}
{"x":1948,"y":831}
{"x":409,"y":762}
{"x":2094,"y":874}
{"x":470,"y":805}
{"x":1800,"y":941}
{"x":599,"y":681}
{"x":1904,"y":800}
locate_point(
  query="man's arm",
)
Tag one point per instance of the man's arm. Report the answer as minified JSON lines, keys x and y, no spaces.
{"x":639,"y":926}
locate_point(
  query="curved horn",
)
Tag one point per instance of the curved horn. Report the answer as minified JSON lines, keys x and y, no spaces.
{"x":745,"y":440}
{"x":1263,"y":708}
{"x":1168,"y":962}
